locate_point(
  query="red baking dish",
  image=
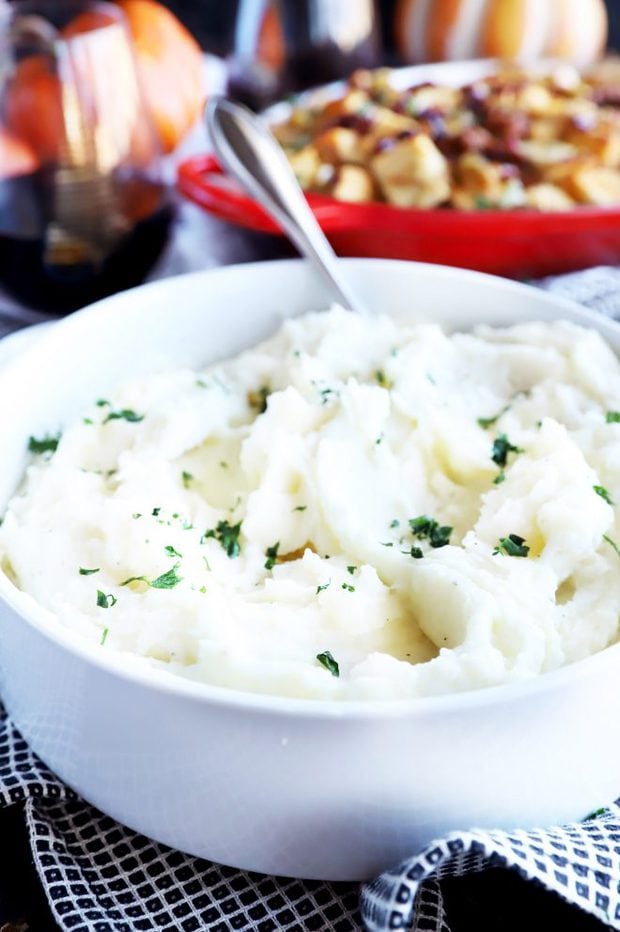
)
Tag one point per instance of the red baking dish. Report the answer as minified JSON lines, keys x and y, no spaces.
{"x":517,"y":243}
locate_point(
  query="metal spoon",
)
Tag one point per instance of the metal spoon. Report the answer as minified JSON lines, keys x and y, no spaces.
{"x":247,"y":150}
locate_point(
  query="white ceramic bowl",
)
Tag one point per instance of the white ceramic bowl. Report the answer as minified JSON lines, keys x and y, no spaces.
{"x":296,"y":787}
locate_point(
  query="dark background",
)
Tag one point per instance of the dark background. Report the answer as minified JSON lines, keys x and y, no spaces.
{"x":211,"y":21}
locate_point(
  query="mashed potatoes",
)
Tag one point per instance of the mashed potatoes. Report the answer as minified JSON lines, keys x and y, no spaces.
{"x":357,"y":508}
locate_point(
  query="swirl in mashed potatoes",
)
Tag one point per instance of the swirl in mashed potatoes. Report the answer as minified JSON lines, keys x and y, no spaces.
{"x":356,"y":508}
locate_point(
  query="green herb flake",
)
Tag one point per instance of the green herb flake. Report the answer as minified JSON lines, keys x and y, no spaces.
{"x":167,"y":580}
{"x":87,"y":420}
{"x":501,"y":448}
{"x":612,"y":543}
{"x":596,"y":814}
{"x":125,"y":414}
{"x":323,"y":587}
{"x":300,"y":508}
{"x":105,"y":601}
{"x":395,"y":523}
{"x":104,"y":636}
{"x":227,"y":535}
{"x":612,"y":417}
{"x":326,"y":660}
{"x":604,"y":494}
{"x":512,"y":546}
{"x":258,"y":399}
{"x":383,"y":380}
{"x":426,"y":528}
{"x":136,"y":515}
{"x":155,"y":512}
{"x":223,"y":464}
{"x":186,"y":479}
{"x":84,"y":572}
{"x":486,"y":422}
{"x":416,"y":552}
{"x":132,"y":579}
{"x":500,"y":477}
{"x":47,"y":444}
{"x":352,"y":569}
{"x":102,"y":403}
{"x":272,"y":556}
{"x":172,"y":552}
{"x":348,"y":587}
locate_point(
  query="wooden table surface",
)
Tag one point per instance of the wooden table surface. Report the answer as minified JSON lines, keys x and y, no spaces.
{"x":495,"y":901}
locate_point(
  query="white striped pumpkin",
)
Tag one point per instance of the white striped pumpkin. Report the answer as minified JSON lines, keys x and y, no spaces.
{"x":448,"y":30}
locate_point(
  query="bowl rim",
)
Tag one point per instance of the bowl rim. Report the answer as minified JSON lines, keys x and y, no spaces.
{"x":143,"y":672}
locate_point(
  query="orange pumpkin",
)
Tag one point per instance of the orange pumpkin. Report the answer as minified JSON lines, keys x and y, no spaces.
{"x":439,"y":30}
{"x":170,"y":66}
{"x":16,"y":158}
{"x":33,"y":106}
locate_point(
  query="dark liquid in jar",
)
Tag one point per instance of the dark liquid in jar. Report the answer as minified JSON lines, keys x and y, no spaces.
{"x":62,"y":275}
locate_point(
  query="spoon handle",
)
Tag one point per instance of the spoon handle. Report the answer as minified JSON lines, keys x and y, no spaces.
{"x":248,"y":151}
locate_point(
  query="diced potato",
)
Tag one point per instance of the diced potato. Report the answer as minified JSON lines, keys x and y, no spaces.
{"x":413,"y":173}
{"x":590,"y":185}
{"x":433,"y":97}
{"x":387,"y":123}
{"x":341,"y":144}
{"x":485,"y":185}
{"x":546,"y":153}
{"x":548,"y":197}
{"x":534,"y":99}
{"x":546,"y":129}
{"x":353,"y":184}
{"x":353,"y":102}
{"x":602,"y":141}
{"x":305,"y":164}
{"x":479,"y":176}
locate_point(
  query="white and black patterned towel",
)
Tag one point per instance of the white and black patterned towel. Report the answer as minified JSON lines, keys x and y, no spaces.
{"x":102,"y":877}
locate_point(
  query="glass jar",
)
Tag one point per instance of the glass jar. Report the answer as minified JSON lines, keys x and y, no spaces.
{"x":83,"y":209}
{"x":283,"y":46}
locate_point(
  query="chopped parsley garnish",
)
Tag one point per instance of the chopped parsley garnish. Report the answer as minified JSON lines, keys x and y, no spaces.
{"x":272,"y":556}
{"x":395,"y":523}
{"x":47,"y":444}
{"x":326,"y":660}
{"x":300,"y":508}
{"x":105,"y":601}
{"x":136,"y":515}
{"x":501,"y":448}
{"x":500,"y":477}
{"x":186,"y":479}
{"x":602,"y":491}
{"x":613,"y":417}
{"x":325,"y":394}
{"x":102,"y":403}
{"x":612,"y":543}
{"x":383,"y":380}
{"x":167,"y":580}
{"x":348,"y":587}
{"x":258,"y":399}
{"x":416,"y":552}
{"x":104,"y":636}
{"x":512,"y":546}
{"x":125,"y":414}
{"x":351,"y":569}
{"x":87,"y":420}
{"x":84,"y":572}
{"x":487,"y":422}
{"x":425,"y":528}
{"x":131,"y":579}
{"x":323,"y":587}
{"x":155,"y":512}
{"x":595,"y":814}
{"x":227,"y":535}
{"x":172,"y":552}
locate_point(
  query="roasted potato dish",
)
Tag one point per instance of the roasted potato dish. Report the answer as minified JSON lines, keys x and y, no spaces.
{"x":511,"y":140}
